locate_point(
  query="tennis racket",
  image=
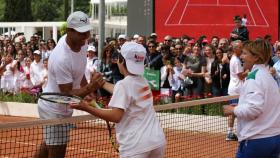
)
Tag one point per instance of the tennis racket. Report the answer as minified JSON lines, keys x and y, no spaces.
{"x":63,"y":98}
{"x":60,"y":98}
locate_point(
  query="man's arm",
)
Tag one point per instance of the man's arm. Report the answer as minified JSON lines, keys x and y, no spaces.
{"x":84,"y":81}
{"x":96,"y":82}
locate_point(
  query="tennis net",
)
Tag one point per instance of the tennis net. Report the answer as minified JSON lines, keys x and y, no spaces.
{"x":193,"y":129}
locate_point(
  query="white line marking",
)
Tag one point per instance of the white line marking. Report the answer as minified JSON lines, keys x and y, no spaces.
{"x":220,"y":5}
{"x":184,"y":11}
{"x":171,"y":12}
{"x":218,"y":2}
{"x":211,"y":25}
{"x":251,"y":12}
{"x":262,"y":13}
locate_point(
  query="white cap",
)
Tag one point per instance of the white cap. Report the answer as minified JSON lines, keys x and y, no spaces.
{"x":79,"y":21}
{"x":37,"y":52}
{"x":153,"y":34}
{"x":91,"y":48}
{"x":136,"y":36}
{"x":134,"y":55}
{"x":122,"y":36}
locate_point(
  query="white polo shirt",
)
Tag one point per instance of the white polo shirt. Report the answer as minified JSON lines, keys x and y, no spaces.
{"x":258,"y":110}
{"x":235,"y":83}
{"x":139,"y":130}
{"x":36,"y":72}
{"x":64,"y":66}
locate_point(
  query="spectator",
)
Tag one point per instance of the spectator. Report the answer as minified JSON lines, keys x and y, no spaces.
{"x":154,"y":58}
{"x":177,"y":81}
{"x":8,"y":67}
{"x":168,"y":40}
{"x":244,"y":20}
{"x":19,"y":71}
{"x":36,"y":70}
{"x":135,"y":38}
{"x":220,"y":75}
{"x":27,"y":84}
{"x":91,"y":60}
{"x":209,"y":53}
{"x":239,"y":32}
{"x":154,"y":37}
{"x":215,"y":41}
{"x":45,"y":73}
{"x":50,"y":44}
{"x":166,"y":73}
{"x":195,"y":68}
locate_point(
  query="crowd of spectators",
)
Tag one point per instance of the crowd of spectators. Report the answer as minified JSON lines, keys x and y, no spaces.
{"x":189,"y":68}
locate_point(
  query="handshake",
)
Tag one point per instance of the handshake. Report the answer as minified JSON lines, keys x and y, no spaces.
{"x":96,"y":81}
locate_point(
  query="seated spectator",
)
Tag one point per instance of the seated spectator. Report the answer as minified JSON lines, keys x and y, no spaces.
{"x":240,"y":32}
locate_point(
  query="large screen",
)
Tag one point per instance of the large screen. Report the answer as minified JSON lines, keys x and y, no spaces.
{"x":215,"y":17}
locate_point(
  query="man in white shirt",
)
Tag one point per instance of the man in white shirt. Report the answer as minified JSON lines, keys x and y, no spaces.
{"x":237,"y":76}
{"x":66,"y":69}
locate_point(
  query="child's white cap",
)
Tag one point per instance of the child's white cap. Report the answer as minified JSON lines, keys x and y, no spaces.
{"x":134,"y":55}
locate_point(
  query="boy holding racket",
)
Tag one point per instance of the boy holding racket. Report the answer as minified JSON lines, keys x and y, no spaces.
{"x":138,"y":130}
{"x":66,"y":69}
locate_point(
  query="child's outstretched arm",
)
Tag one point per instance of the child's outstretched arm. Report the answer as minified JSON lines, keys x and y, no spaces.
{"x":112,"y":115}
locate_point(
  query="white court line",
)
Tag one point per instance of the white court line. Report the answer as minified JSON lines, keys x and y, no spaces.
{"x":251,"y":12}
{"x":212,"y":25}
{"x":184,"y":12}
{"x":218,"y":2}
{"x":262,"y":13}
{"x":220,"y":5}
{"x":171,"y":12}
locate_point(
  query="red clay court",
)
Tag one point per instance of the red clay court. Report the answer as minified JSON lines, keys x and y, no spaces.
{"x":214,"y":17}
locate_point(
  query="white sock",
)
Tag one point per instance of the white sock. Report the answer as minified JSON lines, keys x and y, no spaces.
{"x":230,"y":130}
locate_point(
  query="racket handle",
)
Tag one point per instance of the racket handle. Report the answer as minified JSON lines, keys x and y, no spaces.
{"x":94,"y":104}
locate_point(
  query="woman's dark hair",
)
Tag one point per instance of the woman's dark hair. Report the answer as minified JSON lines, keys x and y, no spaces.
{"x":109,"y":48}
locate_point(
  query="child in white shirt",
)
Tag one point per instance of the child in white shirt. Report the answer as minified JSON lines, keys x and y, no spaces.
{"x":138,"y":130}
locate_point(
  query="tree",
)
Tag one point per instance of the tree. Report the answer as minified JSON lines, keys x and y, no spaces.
{"x":2,"y":6}
{"x":18,"y":10}
{"x":47,"y":10}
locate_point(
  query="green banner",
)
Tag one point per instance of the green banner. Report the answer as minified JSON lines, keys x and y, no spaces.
{"x":153,"y":77}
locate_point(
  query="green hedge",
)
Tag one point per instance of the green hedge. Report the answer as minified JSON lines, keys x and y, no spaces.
{"x":19,"y":97}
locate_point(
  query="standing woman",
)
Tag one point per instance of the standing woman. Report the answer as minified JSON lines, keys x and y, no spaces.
{"x":220,"y":75}
{"x":105,"y":68}
{"x":258,"y":109}
{"x":195,"y":68}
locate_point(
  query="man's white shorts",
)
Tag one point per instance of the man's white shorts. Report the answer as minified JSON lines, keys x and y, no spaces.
{"x":55,"y":134}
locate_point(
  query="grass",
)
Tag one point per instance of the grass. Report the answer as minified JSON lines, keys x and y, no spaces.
{"x":19,"y":97}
